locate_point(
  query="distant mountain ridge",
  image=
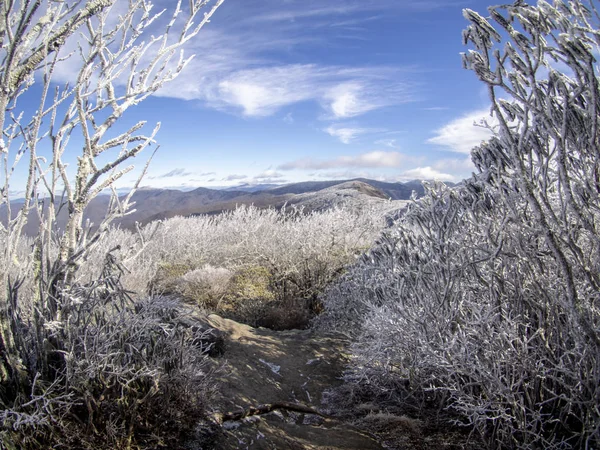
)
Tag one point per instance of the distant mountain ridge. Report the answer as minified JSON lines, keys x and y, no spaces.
{"x":250,"y":187}
{"x":157,"y":204}
{"x":394,"y":191}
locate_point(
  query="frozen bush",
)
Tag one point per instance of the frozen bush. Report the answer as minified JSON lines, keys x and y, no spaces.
{"x":300,"y":253}
{"x":461,"y":308}
{"x":129,"y":372}
{"x":206,"y":286}
{"x":81,"y":364}
{"x":214,"y":279}
{"x":484,"y":300}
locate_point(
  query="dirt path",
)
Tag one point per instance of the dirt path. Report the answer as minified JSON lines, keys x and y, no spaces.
{"x":269,"y":367}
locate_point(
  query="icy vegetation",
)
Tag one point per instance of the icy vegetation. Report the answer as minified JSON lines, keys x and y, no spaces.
{"x":478,"y":307}
{"x":134,"y":330}
{"x":483,"y":302}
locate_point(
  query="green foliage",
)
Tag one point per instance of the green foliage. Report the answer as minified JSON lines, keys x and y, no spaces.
{"x":251,"y":283}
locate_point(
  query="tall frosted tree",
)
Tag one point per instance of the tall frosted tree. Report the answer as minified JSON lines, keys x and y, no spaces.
{"x":116,"y":54}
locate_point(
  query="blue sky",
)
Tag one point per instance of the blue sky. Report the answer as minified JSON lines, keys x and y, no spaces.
{"x":292,"y":90}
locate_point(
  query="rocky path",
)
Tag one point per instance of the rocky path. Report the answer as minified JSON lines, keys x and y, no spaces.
{"x":281,"y":369}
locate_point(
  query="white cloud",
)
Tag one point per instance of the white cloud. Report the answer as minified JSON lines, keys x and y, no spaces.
{"x":367,"y":91}
{"x":255,"y":100}
{"x":271,"y":181}
{"x":234,"y":177}
{"x":345,"y":134}
{"x":268,"y":175}
{"x":387,"y":143}
{"x":179,"y":172}
{"x":461,"y":135}
{"x":263,"y":91}
{"x":345,"y":102}
{"x":235,"y":67}
{"x":346,"y":175}
{"x":379,"y":159}
{"x":460,"y":166}
{"x":427,"y":173}
{"x":201,"y":177}
{"x":371,"y":159}
{"x":292,"y":11}
{"x":305,"y":13}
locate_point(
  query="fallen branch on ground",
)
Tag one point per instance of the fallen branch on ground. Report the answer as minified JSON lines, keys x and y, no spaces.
{"x":264,"y":409}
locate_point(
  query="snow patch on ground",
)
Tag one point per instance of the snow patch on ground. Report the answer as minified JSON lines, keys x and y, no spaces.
{"x":274,"y":367}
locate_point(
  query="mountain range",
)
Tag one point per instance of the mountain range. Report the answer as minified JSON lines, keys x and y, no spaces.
{"x":155,"y":204}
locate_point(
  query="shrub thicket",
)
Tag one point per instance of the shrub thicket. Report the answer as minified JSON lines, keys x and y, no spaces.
{"x":118,"y":374}
{"x":484,"y":301}
{"x":127,"y":366}
{"x":261,"y":266}
{"x":81,"y":364}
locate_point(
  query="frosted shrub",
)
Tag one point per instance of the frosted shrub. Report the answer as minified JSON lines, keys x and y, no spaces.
{"x":81,"y":365}
{"x":216,"y":279}
{"x":300,"y":253}
{"x":139,"y":374}
{"x":206,"y":260}
{"x":125,"y":246}
{"x":206,"y":285}
{"x":129,"y":248}
{"x":483,"y":301}
{"x":457,"y":308}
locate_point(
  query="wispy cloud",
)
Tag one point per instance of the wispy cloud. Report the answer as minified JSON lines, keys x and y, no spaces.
{"x":257,"y":92}
{"x":179,"y":172}
{"x":297,"y":12}
{"x":249,"y":63}
{"x":308,"y":10}
{"x":261,"y":92}
{"x":346,"y":134}
{"x":365,"y":160}
{"x":344,"y":175}
{"x":387,"y":143}
{"x":268,"y":175}
{"x":460,"y":166}
{"x":201,"y":177}
{"x":234,"y":177}
{"x":462,"y":134}
{"x":353,"y":98}
{"x":239,"y":66}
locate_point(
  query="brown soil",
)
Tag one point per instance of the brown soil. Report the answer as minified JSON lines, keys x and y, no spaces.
{"x":266,"y":367}
{"x":263,"y":370}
